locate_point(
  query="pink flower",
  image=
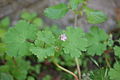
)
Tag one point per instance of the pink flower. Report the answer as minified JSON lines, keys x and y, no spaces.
{"x":63,"y":37}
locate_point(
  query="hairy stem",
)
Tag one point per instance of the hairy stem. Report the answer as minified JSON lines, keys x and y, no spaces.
{"x":62,"y":68}
{"x":107,"y":62}
{"x":75,"y":21}
{"x":76,"y":59}
{"x":78,"y":68}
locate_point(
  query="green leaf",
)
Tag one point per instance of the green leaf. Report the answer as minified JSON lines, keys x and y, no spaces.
{"x":54,"y":29}
{"x":75,"y":43}
{"x":97,"y":38}
{"x":74,"y":3}
{"x":36,"y":68}
{"x":2,"y":47}
{"x":100,"y":74}
{"x":17,"y":38}
{"x":68,"y":61}
{"x":117,"y":51}
{"x":5,"y":76}
{"x":2,"y":33}
{"x":4,"y":68}
{"x":5,"y":23}
{"x":28,"y":16}
{"x":95,"y":16}
{"x":38,"y":22}
{"x":30,"y":78}
{"x":18,"y":68}
{"x":43,"y":53}
{"x":47,"y":77}
{"x":57,"y":11}
{"x":44,"y":45}
{"x":114,"y":73}
{"x":46,"y":37}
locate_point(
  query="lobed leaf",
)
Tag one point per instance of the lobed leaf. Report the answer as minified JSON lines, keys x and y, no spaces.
{"x":97,"y":38}
{"x":5,"y":22}
{"x":2,"y":47}
{"x":5,"y":76}
{"x":43,"y":47}
{"x":114,"y":73}
{"x":100,"y":74}
{"x":95,"y":16}
{"x":75,"y":43}
{"x":38,"y":22}
{"x":74,"y":3}
{"x":57,"y":11}
{"x":2,"y":33}
{"x":117,"y":51}
{"x":17,"y":38}
{"x":28,"y":16}
{"x":19,"y":68}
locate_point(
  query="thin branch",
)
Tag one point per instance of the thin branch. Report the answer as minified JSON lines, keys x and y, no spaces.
{"x":76,"y":59}
{"x":62,"y":68}
{"x":107,"y":62}
{"x":75,"y":21}
{"x":78,"y":68}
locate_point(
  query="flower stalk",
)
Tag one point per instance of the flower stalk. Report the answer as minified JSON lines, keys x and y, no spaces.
{"x":66,"y":70}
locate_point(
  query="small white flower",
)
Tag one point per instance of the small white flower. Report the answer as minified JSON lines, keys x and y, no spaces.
{"x":63,"y":37}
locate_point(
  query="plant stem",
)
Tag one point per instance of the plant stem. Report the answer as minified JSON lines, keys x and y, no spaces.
{"x":107,"y":62}
{"x":76,"y":59}
{"x":62,"y":68}
{"x":78,"y":68}
{"x":75,"y":21}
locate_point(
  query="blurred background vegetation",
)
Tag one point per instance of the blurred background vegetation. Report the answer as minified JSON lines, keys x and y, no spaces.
{"x":13,"y":8}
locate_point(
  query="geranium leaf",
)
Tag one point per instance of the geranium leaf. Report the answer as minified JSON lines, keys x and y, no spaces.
{"x":96,"y":38}
{"x":43,"y":47}
{"x":95,"y":16}
{"x":17,"y":38}
{"x":114,"y":73}
{"x":117,"y":51}
{"x":57,"y":11}
{"x":75,"y":43}
{"x":74,"y":3}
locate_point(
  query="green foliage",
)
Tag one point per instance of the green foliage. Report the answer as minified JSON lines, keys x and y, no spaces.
{"x":5,"y":76}
{"x":32,"y":18}
{"x":100,"y":74}
{"x":114,"y":73}
{"x":66,"y":76}
{"x":55,"y":45}
{"x":75,"y":43}
{"x":95,"y":16}
{"x":36,"y":68}
{"x":28,"y":16}
{"x":57,"y":11}
{"x":17,"y":38}
{"x":18,"y":68}
{"x":97,"y":38}
{"x":4,"y":23}
{"x":68,"y":61}
{"x":47,"y":77}
{"x":55,"y":30}
{"x":117,"y":51}
{"x":2,"y":48}
{"x":30,"y":78}
{"x":38,"y":22}
{"x":74,"y":3}
{"x":44,"y":45}
{"x":2,"y":33}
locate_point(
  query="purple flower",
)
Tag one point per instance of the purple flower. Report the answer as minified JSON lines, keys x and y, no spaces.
{"x":63,"y":37}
